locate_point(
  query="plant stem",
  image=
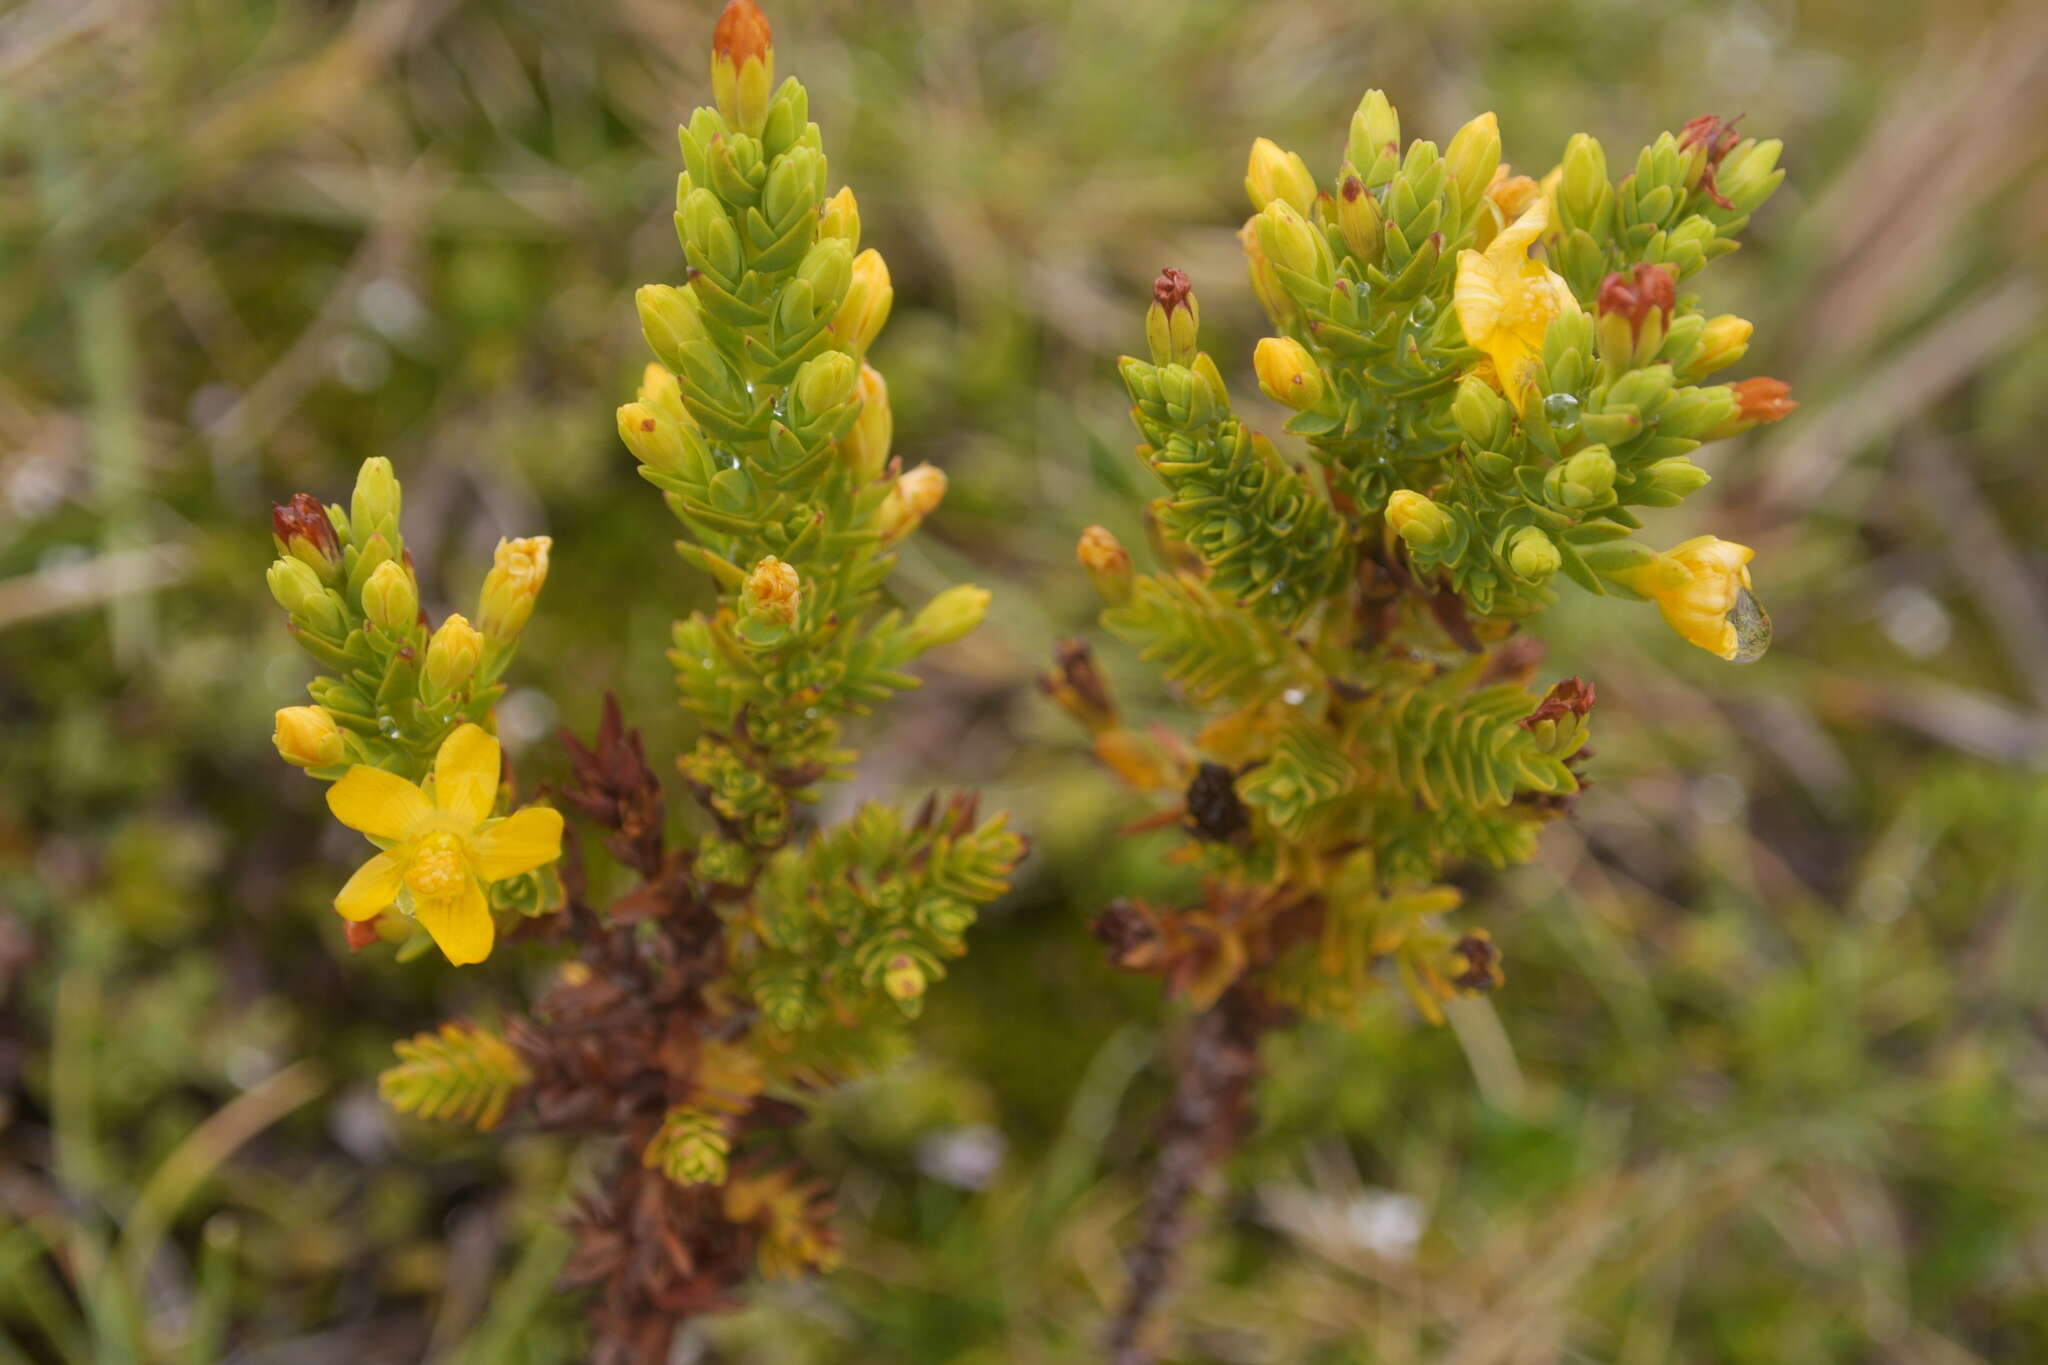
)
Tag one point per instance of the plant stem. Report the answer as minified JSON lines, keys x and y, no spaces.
{"x":1218,"y":1062}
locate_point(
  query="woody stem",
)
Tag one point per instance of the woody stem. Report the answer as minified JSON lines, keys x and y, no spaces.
{"x":1217,"y":1065}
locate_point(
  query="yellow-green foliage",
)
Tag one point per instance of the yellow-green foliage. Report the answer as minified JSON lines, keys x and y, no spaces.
{"x":458,"y":1074}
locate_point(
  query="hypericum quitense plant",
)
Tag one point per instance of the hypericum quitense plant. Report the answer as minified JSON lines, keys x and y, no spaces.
{"x":1488,"y":373}
{"x":755,"y":957}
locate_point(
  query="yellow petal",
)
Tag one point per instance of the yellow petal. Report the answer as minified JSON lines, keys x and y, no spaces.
{"x":373,"y":887}
{"x":1476,"y":297}
{"x":1514,"y":240}
{"x":520,"y":842}
{"x":466,"y":774}
{"x":380,"y":804}
{"x":460,"y":924}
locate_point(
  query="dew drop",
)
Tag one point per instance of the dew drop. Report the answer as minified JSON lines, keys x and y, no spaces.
{"x":387,"y":726}
{"x":1752,"y":627}
{"x":1561,"y":410}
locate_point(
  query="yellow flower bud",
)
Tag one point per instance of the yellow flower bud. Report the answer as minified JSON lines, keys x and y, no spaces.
{"x":1278,"y":303}
{"x":1712,"y":607}
{"x":1358,"y":218}
{"x":307,"y":737}
{"x":772,"y":593}
{"x":390,"y":600}
{"x":453,"y":655}
{"x":656,"y":439}
{"x":1417,"y":520}
{"x":1472,"y":158}
{"x":1276,"y":174}
{"x":1288,"y":373}
{"x":947,"y":617}
{"x":519,"y":568}
{"x":866,"y":305}
{"x":1108,"y":564}
{"x":916,"y":495}
{"x":840,"y":218}
{"x":866,"y":444}
{"x":903,"y":979}
{"x":1723,"y":341}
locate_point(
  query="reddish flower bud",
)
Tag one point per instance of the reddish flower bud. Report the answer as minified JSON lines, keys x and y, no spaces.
{"x":1713,"y":137}
{"x":1763,"y":400}
{"x":1648,"y":289}
{"x":1573,"y":696}
{"x":361,"y":934}
{"x":302,"y":529}
{"x":742,"y":32}
{"x":1171,"y":289}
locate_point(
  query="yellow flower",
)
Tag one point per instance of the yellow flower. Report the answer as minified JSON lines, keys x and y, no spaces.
{"x":1712,"y":606}
{"x":1505,"y":301}
{"x":518,"y":570}
{"x":441,"y":850}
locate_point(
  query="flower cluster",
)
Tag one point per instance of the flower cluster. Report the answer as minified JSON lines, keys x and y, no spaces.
{"x":400,"y":724}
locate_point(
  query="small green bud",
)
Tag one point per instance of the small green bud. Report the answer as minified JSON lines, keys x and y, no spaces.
{"x":294,"y":584}
{"x":1677,"y":476}
{"x":1484,"y":418}
{"x":670,"y":318}
{"x":390,"y":600}
{"x":1532,"y":555}
{"x":947,"y":617}
{"x":1375,"y":132}
{"x":824,"y":382}
{"x":828,"y":268}
{"x":1584,"y":180}
{"x":1292,"y":243}
{"x":375,"y":507}
{"x":1584,"y":480}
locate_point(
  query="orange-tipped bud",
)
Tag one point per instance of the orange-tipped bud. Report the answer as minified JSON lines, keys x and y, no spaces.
{"x":1763,"y":400}
{"x":743,"y":66}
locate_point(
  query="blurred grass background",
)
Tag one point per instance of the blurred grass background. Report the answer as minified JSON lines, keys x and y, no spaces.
{"x":1768,"y":1081}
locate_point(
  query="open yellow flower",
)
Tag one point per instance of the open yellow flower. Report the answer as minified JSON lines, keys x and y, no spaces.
{"x":1713,"y":607}
{"x":441,"y":849}
{"x":1506,"y":301}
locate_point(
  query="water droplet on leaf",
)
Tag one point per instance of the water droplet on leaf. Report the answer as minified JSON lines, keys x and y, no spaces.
{"x":1561,"y":410}
{"x":1752,"y":627}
